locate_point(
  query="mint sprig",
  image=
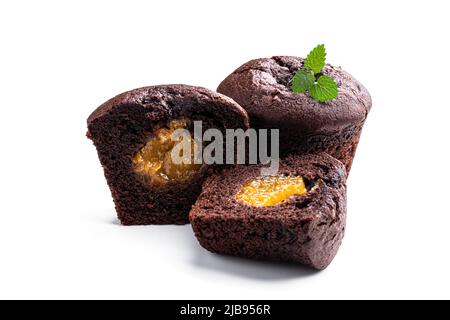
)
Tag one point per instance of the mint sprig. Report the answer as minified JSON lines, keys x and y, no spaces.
{"x":320,"y":87}
{"x":324,"y":89}
{"x":315,"y":60}
{"x":302,"y":81}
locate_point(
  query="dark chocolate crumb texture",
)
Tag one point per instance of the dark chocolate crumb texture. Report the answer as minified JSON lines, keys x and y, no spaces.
{"x":301,"y":220}
{"x":131,"y":133}
{"x":262,"y":88}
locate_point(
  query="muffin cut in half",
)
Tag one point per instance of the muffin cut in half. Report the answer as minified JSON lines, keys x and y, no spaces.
{"x":297,"y":216}
{"x":132,"y":133}
{"x":262,"y":88}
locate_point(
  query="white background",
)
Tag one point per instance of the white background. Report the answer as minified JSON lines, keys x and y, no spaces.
{"x":59,"y":60}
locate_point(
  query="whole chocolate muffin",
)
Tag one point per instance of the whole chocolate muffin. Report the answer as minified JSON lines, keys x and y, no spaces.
{"x":262,"y":88}
{"x":132,"y":133}
{"x":297,"y":216}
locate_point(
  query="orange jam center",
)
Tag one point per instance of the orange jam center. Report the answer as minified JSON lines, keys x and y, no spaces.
{"x":270,"y":191}
{"x":154,"y":160}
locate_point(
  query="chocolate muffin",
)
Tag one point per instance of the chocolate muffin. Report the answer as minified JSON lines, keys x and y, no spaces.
{"x":297,"y":216}
{"x":132,"y":133}
{"x":262,"y":88}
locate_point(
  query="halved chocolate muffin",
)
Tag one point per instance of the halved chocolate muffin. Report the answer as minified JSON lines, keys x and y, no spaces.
{"x":132,"y":133}
{"x":262,"y":88}
{"x":297,"y":216}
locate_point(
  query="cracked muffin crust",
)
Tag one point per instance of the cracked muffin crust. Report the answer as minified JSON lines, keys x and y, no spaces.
{"x":262,"y":88}
{"x":306,"y":228}
{"x":122,"y":126}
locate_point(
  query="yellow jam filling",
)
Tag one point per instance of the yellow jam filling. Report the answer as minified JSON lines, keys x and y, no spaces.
{"x":154,"y":160}
{"x":270,"y":191}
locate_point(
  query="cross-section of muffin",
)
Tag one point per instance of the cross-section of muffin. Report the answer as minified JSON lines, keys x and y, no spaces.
{"x":133,"y":133}
{"x":262,"y":88}
{"x":297,"y":215}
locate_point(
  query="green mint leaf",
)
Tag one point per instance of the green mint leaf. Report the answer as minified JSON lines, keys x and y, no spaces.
{"x":315,"y":60}
{"x":324,"y":89}
{"x":302,"y":81}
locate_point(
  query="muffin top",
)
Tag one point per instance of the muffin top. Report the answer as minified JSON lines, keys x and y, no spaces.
{"x":262,"y":88}
{"x":164,"y":102}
